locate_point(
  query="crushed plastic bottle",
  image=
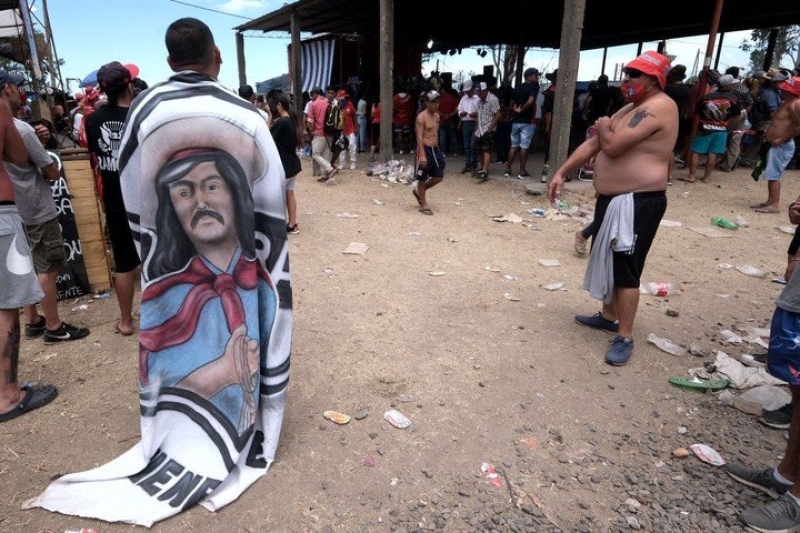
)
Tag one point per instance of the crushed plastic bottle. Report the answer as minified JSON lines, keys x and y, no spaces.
{"x":663,"y":288}
{"x":545,"y":172}
{"x":750,"y":270}
{"x":724,"y":223}
{"x":665,"y":344}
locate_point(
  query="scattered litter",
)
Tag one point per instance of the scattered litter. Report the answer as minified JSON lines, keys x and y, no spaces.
{"x":707,"y":454}
{"x":336,"y":417}
{"x":82,"y":307}
{"x":549,"y":262}
{"x":510,"y":217}
{"x":787,"y":229}
{"x":394,"y":481}
{"x":492,"y":475}
{"x":670,"y":223}
{"x":731,"y":337}
{"x":397,"y":419}
{"x":488,"y":268}
{"x":741,"y":221}
{"x":328,"y":271}
{"x":405,"y":398}
{"x":510,"y":297}
{"x":452,"y":239}
{"x":701,"y":384}
{"x":102,"y":295}
{"x":437,"y":273}
{"x":722,"y":295}
{"x":357,"y":248}
{"x":414,"y":233}
{"x":80,"y":530}
{"x":780,"y":281}
{"x":661,"y":288}
{"x":44,"y":358}
{"x":557,"y":286}
{"x":724,"y":266}
{"x":369,"y":461}
{"x":750,"y":270}
{"x":681,"y":453}
{"x":377,"y":202}
{"x":345,"y":214}
{"x":509,"y":277}
{"x":767,"y":397}
{"x":665,"y":345}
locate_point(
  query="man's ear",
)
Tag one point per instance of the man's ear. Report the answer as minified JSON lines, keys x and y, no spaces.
{"x":217,"y":55}
{"x":171,"y":64}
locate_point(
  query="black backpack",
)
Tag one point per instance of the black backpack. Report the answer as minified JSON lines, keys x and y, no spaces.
{"x":334,"y":121}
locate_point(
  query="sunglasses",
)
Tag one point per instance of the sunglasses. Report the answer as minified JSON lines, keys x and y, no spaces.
{"x":633,"y":73}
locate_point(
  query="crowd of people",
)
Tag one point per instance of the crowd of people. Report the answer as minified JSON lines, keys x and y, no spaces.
{"x":198,"y":197}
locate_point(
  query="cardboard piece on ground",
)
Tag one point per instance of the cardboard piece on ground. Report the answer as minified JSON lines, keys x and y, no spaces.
{"x":549,"y":262}
{"x":787,"y":229}
{"x":358,"y":248}
{"x":510,"y":217}
{"x":711,"y":232}
{"x":670,"y":223}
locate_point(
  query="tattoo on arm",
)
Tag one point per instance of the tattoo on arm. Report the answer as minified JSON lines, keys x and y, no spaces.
{"x":10,"y":356}
{"x":638,"y":117}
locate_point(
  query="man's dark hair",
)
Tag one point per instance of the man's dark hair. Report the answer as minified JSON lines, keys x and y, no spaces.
{"x":189,"y":41}
{"x":246,"y":92}
{"x":173,"y":249}
{"x":733,"y":71}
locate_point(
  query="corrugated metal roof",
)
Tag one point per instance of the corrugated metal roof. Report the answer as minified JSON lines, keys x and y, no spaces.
{"x":453,"y":24}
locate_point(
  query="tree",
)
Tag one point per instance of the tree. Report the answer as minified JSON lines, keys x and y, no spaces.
{"x":787,"y":47}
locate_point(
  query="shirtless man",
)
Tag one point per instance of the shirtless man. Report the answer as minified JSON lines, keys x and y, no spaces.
{"x":632,"y":150}
{"x":783,"y":128}
{"x":19,"y":282}
{"x":430,"y":160}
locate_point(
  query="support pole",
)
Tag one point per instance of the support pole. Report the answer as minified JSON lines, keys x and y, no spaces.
{"x":568,"y":60}
{"x":295,"y":66}
{"x":240,"y":59}
{"x":386,"y":69}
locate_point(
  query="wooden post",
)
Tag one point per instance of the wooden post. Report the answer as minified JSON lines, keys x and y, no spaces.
{"x":387,"y":80}
{"x":568,"y":59}
{"x":295,"y":67}
{"x":240,"y":59}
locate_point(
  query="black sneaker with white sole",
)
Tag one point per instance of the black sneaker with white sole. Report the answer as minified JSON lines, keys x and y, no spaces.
{"x":779,"y":418}
{"x":34,"y":331}
{"x":65,"y":332}
{"x":762,"y":479}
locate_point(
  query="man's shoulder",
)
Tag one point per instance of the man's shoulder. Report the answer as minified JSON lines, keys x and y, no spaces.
{"x":22,"y":126}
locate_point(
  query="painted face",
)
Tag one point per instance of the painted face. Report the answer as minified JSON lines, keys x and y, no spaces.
{"x":204,"y":205}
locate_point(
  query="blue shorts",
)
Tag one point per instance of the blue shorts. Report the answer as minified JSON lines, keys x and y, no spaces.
{"x":778,"y":159}
{"x":783,"y":354}
{"x":521,"y":135}
{"x":435,"y":166}
{"x":710,"y":142}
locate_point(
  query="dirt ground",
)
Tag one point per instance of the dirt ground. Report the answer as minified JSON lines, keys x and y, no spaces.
{"x":487,"y":364}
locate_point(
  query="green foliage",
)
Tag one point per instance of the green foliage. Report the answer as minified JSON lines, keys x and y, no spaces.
{"x":787,"y":48}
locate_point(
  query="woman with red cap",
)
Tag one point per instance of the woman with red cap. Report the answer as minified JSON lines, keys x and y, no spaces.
{"x":632,"y":150}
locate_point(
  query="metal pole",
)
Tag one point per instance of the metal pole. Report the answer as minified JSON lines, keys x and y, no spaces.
{"x":295,"y":64}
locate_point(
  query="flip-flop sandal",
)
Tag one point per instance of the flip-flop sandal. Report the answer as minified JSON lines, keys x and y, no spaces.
{"x":426,"y":211}
{"x":419,"y":200}
{"x":759,"y":206}
{"x":700,"y":384}
{"x":34,"y":398}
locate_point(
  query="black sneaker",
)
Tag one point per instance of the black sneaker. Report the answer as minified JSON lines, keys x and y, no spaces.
{"x":779,"y":418}
{"x":466,"y":169}
{"x":598,"y":321}
{"x":34,"y":331}
{"x":507,"y":173}
{"x":65,"y":332}
{"x":761,"y":479}
{"x":482,"y":176}
{"x":294,"y":230}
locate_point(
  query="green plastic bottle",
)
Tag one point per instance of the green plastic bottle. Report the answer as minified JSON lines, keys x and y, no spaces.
{"x":724,"y":223}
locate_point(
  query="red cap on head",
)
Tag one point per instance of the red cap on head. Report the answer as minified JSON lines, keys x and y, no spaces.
{"x":652,"y":64}
{"x":791,"y":86}
{"x":341,"y":94}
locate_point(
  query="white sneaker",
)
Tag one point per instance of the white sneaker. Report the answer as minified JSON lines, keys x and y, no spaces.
{"x":353,"y":165}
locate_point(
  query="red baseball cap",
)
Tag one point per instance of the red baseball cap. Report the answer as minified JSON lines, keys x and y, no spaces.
{"x":792,"y":86}
{"x":652,"y":64}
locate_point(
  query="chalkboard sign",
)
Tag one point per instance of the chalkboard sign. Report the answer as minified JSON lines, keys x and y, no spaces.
{"x":72,"y":280}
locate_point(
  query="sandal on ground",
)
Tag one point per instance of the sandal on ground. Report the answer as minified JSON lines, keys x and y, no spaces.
{"x":34,"y":398}
{"x":426,"y":211}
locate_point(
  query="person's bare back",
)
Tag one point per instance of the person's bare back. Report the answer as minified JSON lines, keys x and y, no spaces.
{"x":636,"y":146}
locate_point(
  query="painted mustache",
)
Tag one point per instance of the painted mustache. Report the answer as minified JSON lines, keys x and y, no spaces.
{"x":206,"y":213}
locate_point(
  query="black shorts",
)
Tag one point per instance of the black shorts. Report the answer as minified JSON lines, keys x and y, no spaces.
{"x":435,"y":166}
{"x":126,"y":258}
{"x":648,"y":209}
{"x":485,"y":143}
